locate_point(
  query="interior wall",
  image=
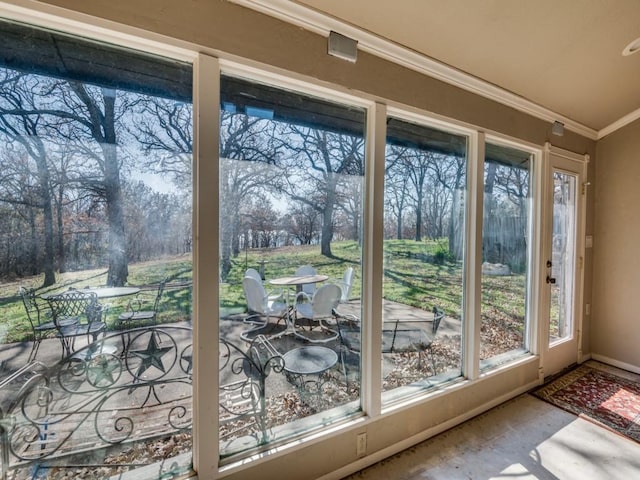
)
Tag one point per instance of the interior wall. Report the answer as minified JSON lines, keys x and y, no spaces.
{"x":219,"y":27}
{"x":616,"y":324}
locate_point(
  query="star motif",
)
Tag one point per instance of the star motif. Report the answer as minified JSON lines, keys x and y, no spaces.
{"x":187,"y":358}
{"x":151,"y":356}
{"x":102,"y":368}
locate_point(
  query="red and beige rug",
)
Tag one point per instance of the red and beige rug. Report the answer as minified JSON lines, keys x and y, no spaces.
{"x":607,"y":399}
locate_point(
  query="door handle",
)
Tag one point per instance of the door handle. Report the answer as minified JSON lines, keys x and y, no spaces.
{"x":551,"y":280}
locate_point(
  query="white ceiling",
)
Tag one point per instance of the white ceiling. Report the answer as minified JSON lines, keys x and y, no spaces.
{"x":563,"y":55}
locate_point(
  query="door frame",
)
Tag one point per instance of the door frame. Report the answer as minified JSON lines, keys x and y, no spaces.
{"x":564,"y":353}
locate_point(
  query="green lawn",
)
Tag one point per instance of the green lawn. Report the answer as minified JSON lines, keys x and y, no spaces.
{"x":416,"y":273}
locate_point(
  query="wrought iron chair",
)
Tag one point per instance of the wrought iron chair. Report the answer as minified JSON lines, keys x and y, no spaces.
{"x":143,"y":308}
{"x":40,"y":318}
{"x":321,"y":307}
{"x":401,"y":338}
{"x":76,"y":314}
{"x":259,"y":306}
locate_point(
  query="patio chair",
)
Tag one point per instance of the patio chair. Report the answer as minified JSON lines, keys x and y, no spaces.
{"x":346,"y":284}
{"x":321,"y":307}
{"x":259,"y":306}
{"x":306,"y":291}
{"x":143,"y":308}
{"x":76,"y":314}
{"x":40,"y":318}
{"x":274,"y":294}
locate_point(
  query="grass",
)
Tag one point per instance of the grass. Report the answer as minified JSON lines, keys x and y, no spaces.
{"x":415,"y":274}
{"x":175,"y":306}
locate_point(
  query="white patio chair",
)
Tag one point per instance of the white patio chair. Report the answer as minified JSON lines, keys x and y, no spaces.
{"x":259,"y":306}
{"x":273,"y":294}
{"x":307,"y":290}
{"x":345,"y":285}
{"x":319,"y":309}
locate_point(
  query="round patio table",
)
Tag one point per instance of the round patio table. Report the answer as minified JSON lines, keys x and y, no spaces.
{"x":296,"y":281}
{"x":101,"y":292}
{"x":309,"y":360}
{"x":304,"y":368}
{"x":110,"y":292}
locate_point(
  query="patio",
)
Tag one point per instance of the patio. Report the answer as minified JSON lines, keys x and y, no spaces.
{"x":148,"y":411}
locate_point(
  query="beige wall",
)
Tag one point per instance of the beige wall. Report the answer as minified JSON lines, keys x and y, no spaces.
{"x":616,"y":282}
{"x":219,"y":27}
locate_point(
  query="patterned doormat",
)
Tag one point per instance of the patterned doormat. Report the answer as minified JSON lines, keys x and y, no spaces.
{"x":599,"y":396}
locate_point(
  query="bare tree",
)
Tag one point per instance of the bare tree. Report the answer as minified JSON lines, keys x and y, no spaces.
{"x":163,"y":129}
{"x":249,"y":155}
{"x":304,"y":223}
{"x":320,"y":161}
{"x":396,"y":189}
{"x":94,"y":112}
{"x":21,"y":121}
{"x":415,"y":164}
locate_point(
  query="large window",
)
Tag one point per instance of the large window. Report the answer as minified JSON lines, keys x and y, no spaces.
{"x":425,"y":185}
{"x":291,"y":188}
{"x":506,"y":239}
{"x":95,"y":257}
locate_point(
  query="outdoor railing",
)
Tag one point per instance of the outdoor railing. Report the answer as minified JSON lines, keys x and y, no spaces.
{"x":128,"y":386}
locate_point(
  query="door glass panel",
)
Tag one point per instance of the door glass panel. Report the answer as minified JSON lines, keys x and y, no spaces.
{"x":291,"y":186}
{"x":562,"y":256}
{"x":505,"y":255}
{"x":425,"y":199}
{"x":95,"y":258}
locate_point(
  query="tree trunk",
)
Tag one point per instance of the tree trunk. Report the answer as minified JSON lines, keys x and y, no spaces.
{"x":118,"y":266}
{"x":419,"y":219}
{"x":488,"y":246}
{"x":33,"y":247}
{"x":235,"y":235}
{"x":118,"y":263}
{"x":48,"y":266}
{"x":62,"y":262}
{"x":327,"y":216}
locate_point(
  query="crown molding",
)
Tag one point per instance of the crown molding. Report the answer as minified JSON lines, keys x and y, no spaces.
{"x":618,"y":124}
{"x":322,"y":24}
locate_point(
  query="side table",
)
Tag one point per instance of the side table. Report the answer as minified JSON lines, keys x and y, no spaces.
{"x":305,"y":366}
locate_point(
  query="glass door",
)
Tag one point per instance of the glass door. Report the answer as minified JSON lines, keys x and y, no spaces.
{"x":563,"y":269}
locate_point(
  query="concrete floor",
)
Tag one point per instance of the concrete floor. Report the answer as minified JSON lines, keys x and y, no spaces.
{"x":523,"y":439}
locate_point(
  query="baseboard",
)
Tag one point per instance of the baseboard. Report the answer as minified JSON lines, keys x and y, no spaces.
{"x":425,"y":435}
{"x":584,"y":358}
{"x":616,"y":363}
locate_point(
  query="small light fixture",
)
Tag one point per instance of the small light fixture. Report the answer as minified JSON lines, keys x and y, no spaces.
{"x":342,"y":47}
{"x":633,"y":47}
{"x":557,"y":128}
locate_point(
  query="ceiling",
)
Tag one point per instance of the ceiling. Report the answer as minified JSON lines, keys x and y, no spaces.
{"x":565,"y":56}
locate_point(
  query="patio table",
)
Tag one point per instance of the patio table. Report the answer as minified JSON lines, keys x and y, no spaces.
{"x":294,"y":281}
{"x":305,"y":368}
{"x":110,"y":292}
